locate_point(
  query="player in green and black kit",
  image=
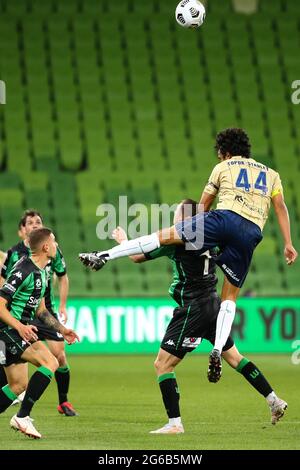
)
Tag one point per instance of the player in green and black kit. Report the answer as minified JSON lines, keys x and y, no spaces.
{"x":21,"y":298}
{"x":194,"y":290}
{"x":32,"y":220}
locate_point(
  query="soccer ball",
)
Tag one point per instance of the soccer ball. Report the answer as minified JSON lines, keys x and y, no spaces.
{"x":190,"y":13}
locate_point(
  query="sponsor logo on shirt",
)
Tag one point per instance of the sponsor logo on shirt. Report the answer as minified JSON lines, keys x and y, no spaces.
{"x":38,"y":284}
{"x":191,"y":342}
{"x":241,"y":200}
{"x":33,"y":302}
{"x":230,"y":272}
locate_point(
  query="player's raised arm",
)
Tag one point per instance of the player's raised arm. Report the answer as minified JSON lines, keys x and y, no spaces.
{"x":210,"y":190}
{"x":282,"y":215}
{"x":206,"y":201}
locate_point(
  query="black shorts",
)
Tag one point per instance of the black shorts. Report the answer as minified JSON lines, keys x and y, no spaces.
{"x":45,"y":332}
{"x":191,"y":324}
{"x":14,"y":346}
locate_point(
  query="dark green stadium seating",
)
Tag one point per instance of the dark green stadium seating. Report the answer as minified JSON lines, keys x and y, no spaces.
{"x":113,"y":98}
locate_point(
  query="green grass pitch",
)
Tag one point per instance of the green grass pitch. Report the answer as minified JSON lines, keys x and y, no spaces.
{"x":119,"y":403}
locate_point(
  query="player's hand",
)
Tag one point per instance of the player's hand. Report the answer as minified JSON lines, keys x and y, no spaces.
{"x":28,"y":332}
{"x":63,"y":314}
{"x":119,"y":235}
{"x":290,"y":254}
{"x":70,"y":336}
{"x":95,"y":260}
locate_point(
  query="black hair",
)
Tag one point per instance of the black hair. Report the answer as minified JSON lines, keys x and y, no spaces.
{"x":29,"y":213}
{"x":233,"y":141}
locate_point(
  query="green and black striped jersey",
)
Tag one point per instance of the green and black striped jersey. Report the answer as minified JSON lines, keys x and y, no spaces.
{"x":57,"y":266}
{"x":194,"y":275}
{"x":13,"y":255}
{"x":24,"y":289}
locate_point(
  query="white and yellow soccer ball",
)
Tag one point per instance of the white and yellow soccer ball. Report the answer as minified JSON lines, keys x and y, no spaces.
{"x":190,"y":13}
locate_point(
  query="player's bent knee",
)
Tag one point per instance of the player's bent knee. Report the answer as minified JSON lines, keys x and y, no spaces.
{"x":156,"y":364}
{"x":159,"y":366}
{"x":50,"y":362}
{"x":61,"y":358}
{"x":162,"y":367}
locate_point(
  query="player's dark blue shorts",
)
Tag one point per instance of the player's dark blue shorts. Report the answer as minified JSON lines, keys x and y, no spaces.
{"x":236,"y":237}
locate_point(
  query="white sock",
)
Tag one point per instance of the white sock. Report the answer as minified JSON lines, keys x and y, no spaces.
{"x":271,"y":398}
{"x":175,"y":421}
{"x":136,"y":246}
{"x":224,"y":323}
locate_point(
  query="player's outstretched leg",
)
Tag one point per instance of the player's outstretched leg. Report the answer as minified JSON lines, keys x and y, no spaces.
{"x":138,"y":246}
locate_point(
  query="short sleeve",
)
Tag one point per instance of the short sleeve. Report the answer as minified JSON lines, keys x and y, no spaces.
{"x":58,"y":264}
{"x":277,"y":186}
{"x":213,"y":184}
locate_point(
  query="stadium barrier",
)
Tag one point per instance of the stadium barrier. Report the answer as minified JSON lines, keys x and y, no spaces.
{"x":136,"y":326}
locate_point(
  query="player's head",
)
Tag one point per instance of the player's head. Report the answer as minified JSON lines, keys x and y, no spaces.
{"x":185,"y":209}
{"x":31,"y":220}
{"x":233,"y":142}
{"x":42,"y":241}
{"x":21,"y":231}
